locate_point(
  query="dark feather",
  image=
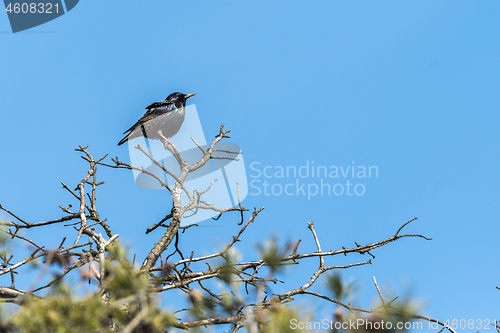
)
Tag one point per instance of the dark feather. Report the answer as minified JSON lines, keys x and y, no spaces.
{"x":158,"y":104}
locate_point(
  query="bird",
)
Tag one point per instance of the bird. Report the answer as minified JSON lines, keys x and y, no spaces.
{"x":162,"y":120}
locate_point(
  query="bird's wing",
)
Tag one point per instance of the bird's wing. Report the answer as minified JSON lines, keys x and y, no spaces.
{"x":154,"y":110}
{"x":160,"y":104}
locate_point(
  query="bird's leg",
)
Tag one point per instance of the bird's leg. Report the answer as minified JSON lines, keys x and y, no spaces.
{"x":167,"y":141}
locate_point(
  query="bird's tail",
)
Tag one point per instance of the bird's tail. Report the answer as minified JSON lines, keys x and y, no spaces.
{"x":125,"y":139}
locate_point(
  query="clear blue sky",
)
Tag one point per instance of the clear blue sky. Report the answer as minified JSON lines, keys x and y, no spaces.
{"x":410,"y":87}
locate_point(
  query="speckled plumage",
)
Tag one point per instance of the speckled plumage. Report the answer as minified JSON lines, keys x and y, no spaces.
{"x":163,"y":118}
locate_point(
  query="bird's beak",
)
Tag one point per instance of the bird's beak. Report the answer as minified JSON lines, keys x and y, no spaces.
{"x":189,"y":95}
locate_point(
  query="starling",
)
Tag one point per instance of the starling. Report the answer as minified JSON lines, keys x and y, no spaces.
{"x":162,"y":120}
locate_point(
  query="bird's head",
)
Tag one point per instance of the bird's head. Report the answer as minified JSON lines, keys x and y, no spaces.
{"x":178,"y":98}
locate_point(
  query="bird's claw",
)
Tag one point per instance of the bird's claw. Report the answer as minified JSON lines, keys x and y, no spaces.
{"x":166,"y":142}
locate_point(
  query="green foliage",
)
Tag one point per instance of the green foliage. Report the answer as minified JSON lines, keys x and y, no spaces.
{"x":122,"y":279}
{"x":272,"y":253}
{"x":226,"y":268}
{"x":340,"y":290}
{"x":280,"y":319}
{"x":4,"y":246}
{"x":390,"y":317}
{"x":403,"y":310}
{"x":126,"y":297}
{"x":60,"y":312}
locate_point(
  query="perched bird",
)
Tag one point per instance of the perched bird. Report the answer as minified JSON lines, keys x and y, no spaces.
{"x":162,"y":120}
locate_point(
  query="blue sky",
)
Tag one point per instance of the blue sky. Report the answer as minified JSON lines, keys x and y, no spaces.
{"x":409,"y":87}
